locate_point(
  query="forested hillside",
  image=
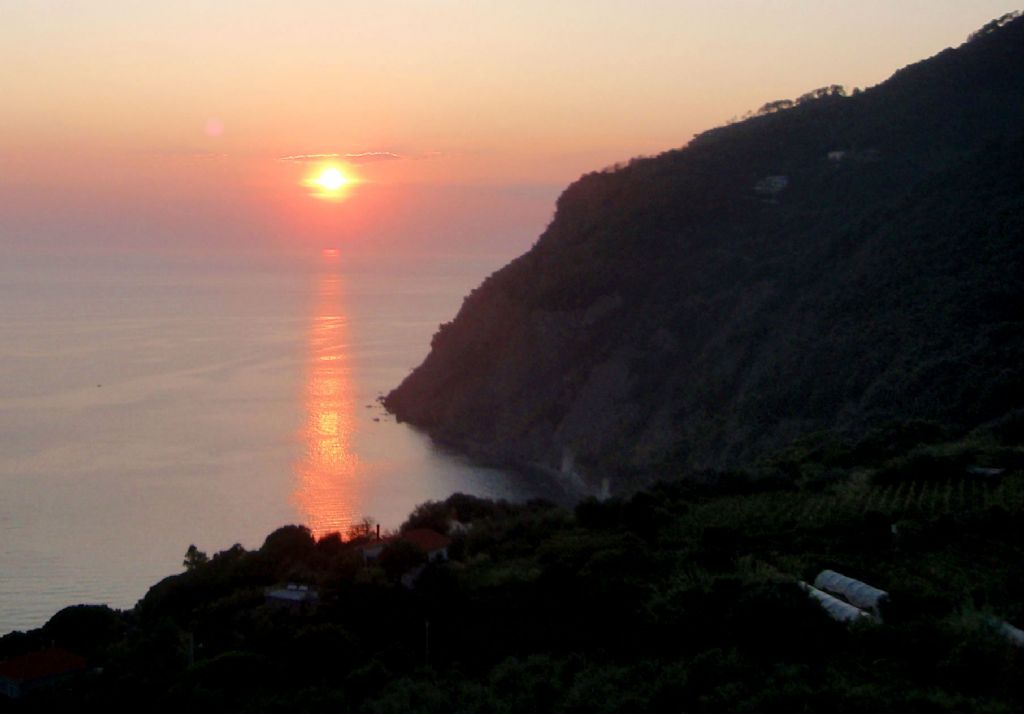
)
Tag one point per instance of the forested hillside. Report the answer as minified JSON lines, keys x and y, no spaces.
{"x":824,"y":267}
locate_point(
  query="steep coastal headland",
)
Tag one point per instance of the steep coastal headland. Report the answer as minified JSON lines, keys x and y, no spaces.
{"x":829,"y":265}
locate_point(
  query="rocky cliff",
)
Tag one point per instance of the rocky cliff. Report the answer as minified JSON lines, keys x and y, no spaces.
{"x":826,"y":265}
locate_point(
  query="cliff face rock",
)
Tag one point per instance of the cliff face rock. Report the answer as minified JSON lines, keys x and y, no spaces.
{"x":846,"y":261}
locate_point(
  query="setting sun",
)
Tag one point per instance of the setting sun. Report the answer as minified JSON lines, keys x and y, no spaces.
{"x":331,"y":179}
{"x":329,"y":182}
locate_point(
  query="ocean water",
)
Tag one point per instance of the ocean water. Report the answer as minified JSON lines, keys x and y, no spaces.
{"x":146,"y":405}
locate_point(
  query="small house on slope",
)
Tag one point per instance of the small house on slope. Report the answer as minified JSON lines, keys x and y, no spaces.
{"x":294,"y":597}
{"x":429,"y":542}
{"x":770,"y":187}
{"x":22,"y":675}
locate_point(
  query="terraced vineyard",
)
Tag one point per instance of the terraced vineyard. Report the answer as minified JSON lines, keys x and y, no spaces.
{"x":919,"y":498}
{"x":953,"y":539}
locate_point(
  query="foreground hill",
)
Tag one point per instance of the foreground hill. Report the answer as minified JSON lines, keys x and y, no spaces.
{"x":684,"y":598}
{"x":823,"y":267}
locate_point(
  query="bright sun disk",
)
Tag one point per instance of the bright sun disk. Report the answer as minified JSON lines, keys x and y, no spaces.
{"x":331,"y":179}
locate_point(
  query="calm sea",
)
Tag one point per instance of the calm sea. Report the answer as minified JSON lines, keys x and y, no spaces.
{"x":149,"y":405}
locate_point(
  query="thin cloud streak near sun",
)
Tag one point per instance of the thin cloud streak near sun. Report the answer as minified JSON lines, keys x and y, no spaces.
{"x":353,"y":158}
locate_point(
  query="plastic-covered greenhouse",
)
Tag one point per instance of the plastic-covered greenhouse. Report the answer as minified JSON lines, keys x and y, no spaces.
{"x":836,"y":608}
{"x":855,"y":592}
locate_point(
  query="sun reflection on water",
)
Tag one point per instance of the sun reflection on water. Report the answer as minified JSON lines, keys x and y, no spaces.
{"x":328,"y":475}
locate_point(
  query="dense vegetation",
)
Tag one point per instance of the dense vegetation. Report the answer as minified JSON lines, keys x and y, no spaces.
{"x":824,"y":266}
{"x":679,"y":598}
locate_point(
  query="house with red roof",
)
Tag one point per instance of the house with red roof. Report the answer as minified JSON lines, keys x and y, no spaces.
{"x":38,"y":670}
{"x":431,"y":543}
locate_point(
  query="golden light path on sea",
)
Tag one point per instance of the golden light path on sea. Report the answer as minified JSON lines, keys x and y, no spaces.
{"x":328,"y":483}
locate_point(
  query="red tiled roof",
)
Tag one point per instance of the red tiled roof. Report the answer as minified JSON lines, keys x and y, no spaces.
{"x":427,"y":540}
{"x":38,"y":665}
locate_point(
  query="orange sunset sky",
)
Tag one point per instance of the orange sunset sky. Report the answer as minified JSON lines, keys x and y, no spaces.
{"x":177,"y":127}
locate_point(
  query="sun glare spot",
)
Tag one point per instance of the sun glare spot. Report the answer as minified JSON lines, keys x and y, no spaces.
{"x":331,"y":179}
{"x":330,"y":183}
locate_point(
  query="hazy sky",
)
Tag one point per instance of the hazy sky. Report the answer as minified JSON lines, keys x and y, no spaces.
{"x":162,"y":126}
